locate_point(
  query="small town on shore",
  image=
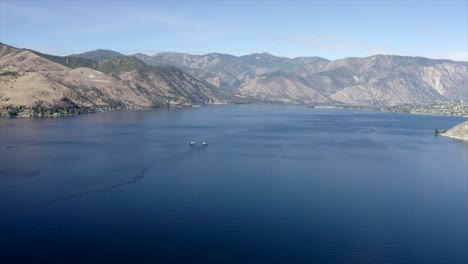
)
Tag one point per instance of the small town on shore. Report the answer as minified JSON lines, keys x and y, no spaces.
{"x":455,"y":108}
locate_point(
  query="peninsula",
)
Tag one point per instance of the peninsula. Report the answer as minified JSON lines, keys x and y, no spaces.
{"x":458,"y":132}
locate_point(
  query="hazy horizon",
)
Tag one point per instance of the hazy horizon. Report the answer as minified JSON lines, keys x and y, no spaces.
{"x":327,"y":29}
{"x":241,"y":55}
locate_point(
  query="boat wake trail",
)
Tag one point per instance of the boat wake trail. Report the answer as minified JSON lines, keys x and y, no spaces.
{"x":44,"y":143}
{"x":133,"y":180}
{"x":194,"y":150}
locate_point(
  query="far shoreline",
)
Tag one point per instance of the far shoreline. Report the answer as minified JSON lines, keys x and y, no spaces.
{"x":4,"y":113}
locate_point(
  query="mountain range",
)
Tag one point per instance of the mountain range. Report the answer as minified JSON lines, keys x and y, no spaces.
{"x":374,"y":80}
{"x":105,"y":78}
{"x":29,"y":78}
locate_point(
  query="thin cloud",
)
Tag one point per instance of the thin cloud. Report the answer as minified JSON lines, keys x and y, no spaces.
{"x":12,"y":8}
{"x":136,"y":18}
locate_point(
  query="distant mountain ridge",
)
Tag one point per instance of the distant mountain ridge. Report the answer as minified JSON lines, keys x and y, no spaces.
{"x":98,"y":54}
{"x":374,"y":80}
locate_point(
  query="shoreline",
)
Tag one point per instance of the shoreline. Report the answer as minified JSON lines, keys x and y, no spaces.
{"x":84,"y":111}
{"x":454,"y":137}
{"x":5,"y":113}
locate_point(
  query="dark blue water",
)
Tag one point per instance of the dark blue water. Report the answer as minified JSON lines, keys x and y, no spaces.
{"x":276,"y":184}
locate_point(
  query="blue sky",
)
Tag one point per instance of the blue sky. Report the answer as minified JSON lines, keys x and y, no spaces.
{"x":330,"y":29}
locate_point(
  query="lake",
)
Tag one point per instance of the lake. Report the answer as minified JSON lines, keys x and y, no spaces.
{"x":276,"y":184}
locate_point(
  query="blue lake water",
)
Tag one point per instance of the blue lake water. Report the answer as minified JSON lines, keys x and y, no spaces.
{"x":276,"y":184}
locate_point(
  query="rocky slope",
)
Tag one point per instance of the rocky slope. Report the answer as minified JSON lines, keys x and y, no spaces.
{"x":374,"y":80}
{"x":221,"y":70}
{"x":459,"y":132}
{"x":32,"y":79}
